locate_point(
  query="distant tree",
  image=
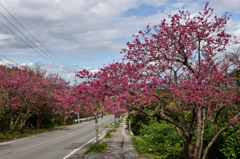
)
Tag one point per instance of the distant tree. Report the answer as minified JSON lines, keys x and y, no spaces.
{"x":90,"y":94}
{"x":25,"y":92}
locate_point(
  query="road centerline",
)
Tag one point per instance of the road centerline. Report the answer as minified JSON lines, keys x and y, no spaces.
{"x":51,"y":139}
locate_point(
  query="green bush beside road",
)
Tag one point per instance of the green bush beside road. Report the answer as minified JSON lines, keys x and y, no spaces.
{"x":158,"y":139}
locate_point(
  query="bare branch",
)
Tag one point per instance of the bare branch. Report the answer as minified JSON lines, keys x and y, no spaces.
{"x":215,"y":137}
{"x":180,"y":135}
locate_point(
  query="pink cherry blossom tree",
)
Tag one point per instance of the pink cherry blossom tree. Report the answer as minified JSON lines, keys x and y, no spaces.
{"x":178,"y":67}
{"x":114,"y":106}
{"x":65,"y":101}
{"x":91,"y":94}
{"x":24,"y":92}
{"x":66,"y":104}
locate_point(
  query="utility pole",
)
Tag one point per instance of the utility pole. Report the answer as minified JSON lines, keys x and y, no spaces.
{"x":75,"y":76}
{"x":76,"y":86}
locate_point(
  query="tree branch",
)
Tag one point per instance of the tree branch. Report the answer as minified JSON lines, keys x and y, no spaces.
{"x":180,"y":135}
{"x":215,"y":137}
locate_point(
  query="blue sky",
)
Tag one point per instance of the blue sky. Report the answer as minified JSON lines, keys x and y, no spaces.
{"x":87,"y":34}
{"x":141,"y":11}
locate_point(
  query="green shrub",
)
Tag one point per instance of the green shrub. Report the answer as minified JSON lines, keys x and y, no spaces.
{"x":108,"y":135}
{"x":161,"y":137}
{"x":227,"y":144}
{"x":231,"y":147}
{"x":97,"y":148}
{"x":163,"y":140}
{"x":113,"y":130}
{"x":137,"y":120}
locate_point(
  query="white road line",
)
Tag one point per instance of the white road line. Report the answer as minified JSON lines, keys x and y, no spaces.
{"x":44,"y":133}
{"x":4,"y":143}
{"x":84,"y":145}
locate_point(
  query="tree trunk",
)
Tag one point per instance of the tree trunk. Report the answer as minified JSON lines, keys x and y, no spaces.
{"x":16,"y":121}
{"x":38,"y":123}
{"x":194,"y":151}
{"x":187,"y":150}
{"x":96,"y":127}
{"x":64,"y":121}
{"x":22,"y":124}
{"x":197,"y":145}
{"x":24,"y":120}
{"x":202,"y":133}
{"x":11,"y":124}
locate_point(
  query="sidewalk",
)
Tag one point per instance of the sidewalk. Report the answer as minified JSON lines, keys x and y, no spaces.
{"x":120,"y":147}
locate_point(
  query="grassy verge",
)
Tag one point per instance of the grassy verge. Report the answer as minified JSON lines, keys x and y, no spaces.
{"x":113,"y":130}
{"x":108,"y":135}
{"x":116,"y":125}
{"x":9,"y":135}
{"x":143,"y":148}
{"x":97,"y":148}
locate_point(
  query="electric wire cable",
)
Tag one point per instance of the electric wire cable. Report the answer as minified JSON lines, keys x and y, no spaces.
{"x":26,"y":42}
{"x":28,"y":38}
{"x":9,"y":59}
{"x":6,"y":63}
{"x":32,"y":35}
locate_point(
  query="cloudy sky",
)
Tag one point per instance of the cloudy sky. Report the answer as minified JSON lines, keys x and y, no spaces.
{"x":85,"y":33}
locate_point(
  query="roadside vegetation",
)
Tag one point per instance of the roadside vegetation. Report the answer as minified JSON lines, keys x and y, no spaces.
{"x":181,"y":74}
{"x":113,"y":129}
{"x":159,"y":140}
{"x":32,"y":102}
{"x":108,"y":135}
{"x":97,"y":148}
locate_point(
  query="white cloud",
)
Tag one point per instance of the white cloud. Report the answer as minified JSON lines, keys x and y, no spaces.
{"x":23,"y":64}
{"x":94,"y":70}
{"x":75,"y":30}
{"x":7,"y":63}
{"x":224,"y":5}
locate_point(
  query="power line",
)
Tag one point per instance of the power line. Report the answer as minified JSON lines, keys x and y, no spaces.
{"x":9,"y":59}
{"x":7,"y":63}
{"x":28,"y":39}
{"x":25,"y":42}
{"x":32,"y":35}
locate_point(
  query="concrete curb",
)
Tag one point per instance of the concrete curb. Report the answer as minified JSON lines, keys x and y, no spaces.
{"x":128,"y":148}
{"x":120,"y":146}
{"x":82,"y":150}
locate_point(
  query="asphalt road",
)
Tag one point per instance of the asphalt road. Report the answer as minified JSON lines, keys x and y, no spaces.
{"x":55,"y":144}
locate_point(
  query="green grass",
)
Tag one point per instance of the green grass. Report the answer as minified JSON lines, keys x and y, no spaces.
{"x":97,"y":148}
{"x":9,"y":135}
{"x":116,"y":126}
{"x":108,"y":135}
{"x":143,"y":148}
{"x":113,"y":130}
{"x":105,"y":126}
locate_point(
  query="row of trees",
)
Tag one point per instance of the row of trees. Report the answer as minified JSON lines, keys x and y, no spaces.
{"x":182,"y":69}
{"x":31,"y":96}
